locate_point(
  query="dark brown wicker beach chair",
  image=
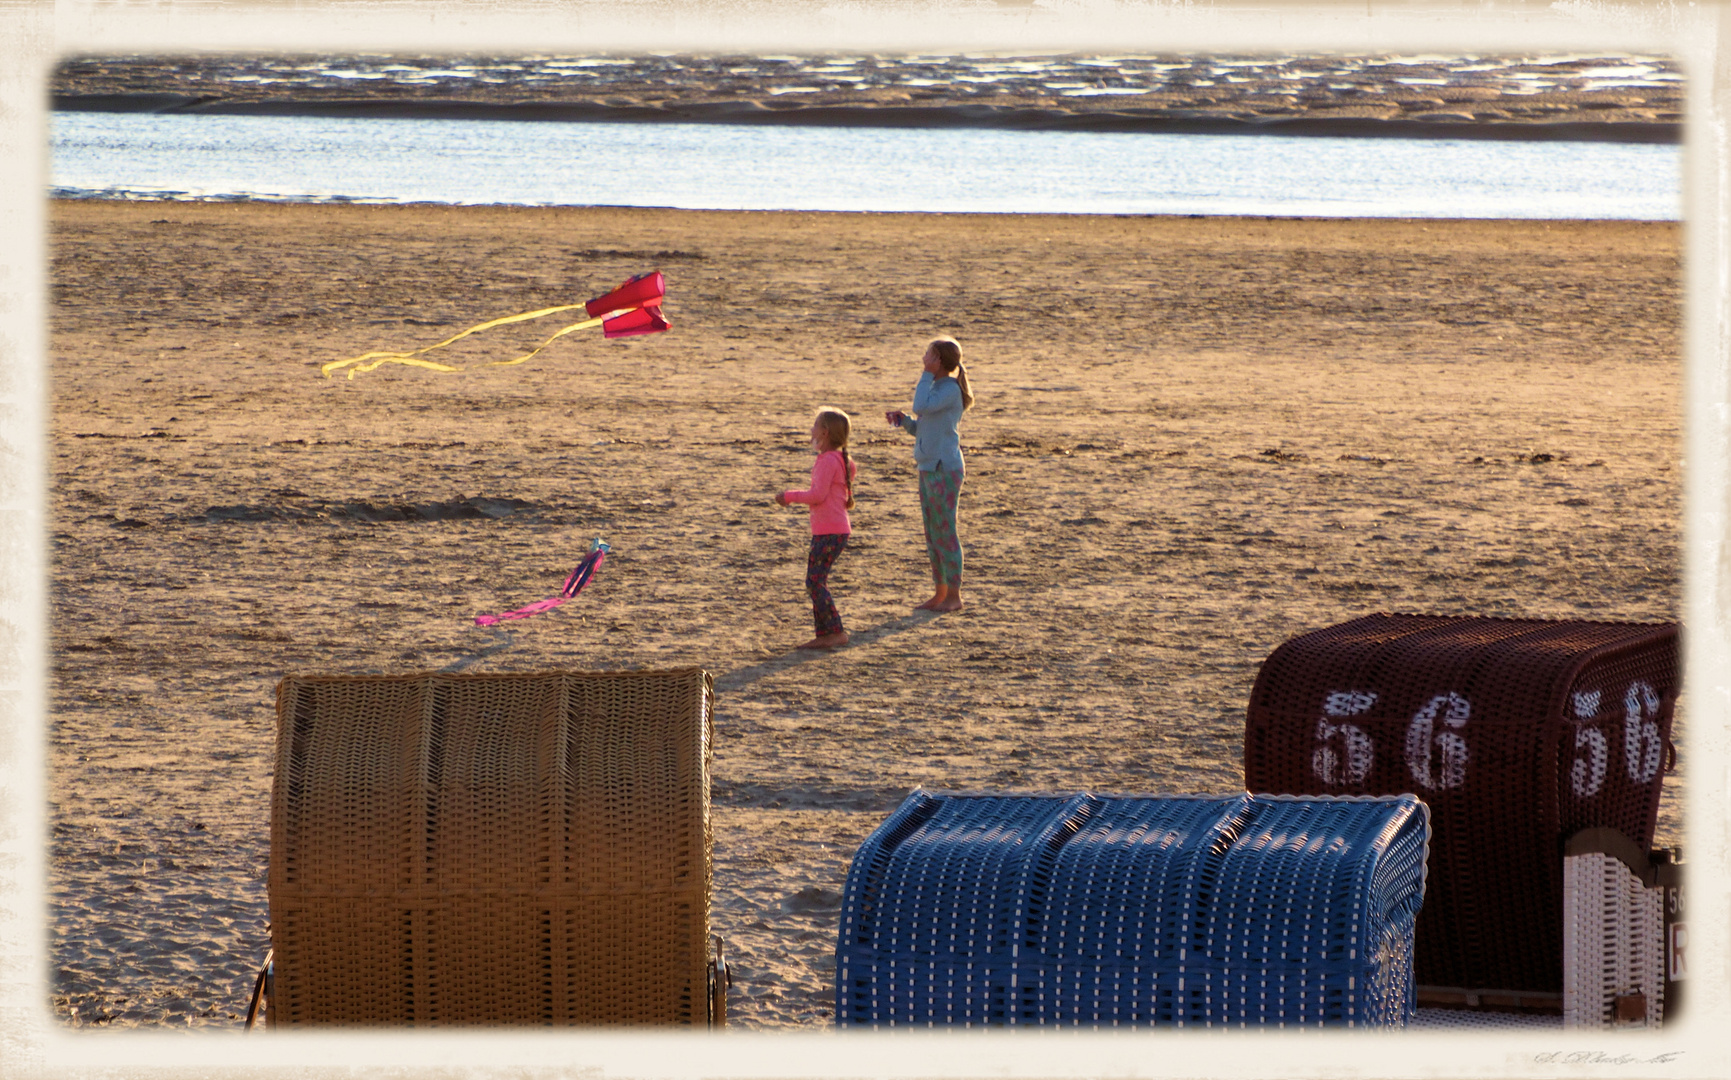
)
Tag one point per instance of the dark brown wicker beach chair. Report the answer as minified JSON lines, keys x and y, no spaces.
{"x":492,"y":849}
{"x":1518,"y":734}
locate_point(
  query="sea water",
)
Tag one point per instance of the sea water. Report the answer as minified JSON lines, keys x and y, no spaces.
{"x":762,"y":167}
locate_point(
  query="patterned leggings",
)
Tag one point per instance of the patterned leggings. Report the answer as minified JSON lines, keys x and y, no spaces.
{"x":824,"y":549}
{"x":939,"y":490}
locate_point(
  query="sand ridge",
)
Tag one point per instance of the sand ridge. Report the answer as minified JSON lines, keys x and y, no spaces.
{"x":1195,"y":437}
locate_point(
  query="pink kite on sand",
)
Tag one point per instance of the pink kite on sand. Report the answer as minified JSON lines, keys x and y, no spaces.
{"x":573,"y":585}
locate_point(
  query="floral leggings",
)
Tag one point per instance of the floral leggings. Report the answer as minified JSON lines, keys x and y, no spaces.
{"x":824,"y":549}
{"x":940,"y":488}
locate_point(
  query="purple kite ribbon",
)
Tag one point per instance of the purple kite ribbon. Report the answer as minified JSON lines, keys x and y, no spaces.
{"x":573,"y":585}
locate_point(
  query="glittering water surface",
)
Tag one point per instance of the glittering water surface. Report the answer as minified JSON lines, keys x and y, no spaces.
{"x":719,"y":166}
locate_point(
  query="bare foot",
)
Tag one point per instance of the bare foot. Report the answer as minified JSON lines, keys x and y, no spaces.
{"x":932,"y":604}
{"x":827,"y":641}
{"x":948,"y":603}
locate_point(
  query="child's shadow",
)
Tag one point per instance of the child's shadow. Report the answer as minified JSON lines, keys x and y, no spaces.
{"x":735,"y":680}
{"x":502,"y":640}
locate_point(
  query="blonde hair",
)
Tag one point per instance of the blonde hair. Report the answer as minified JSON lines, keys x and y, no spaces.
{"x":837,"y":426}
{"x":950,"y":359}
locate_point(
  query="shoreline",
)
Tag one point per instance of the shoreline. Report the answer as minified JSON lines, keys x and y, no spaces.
{"x":63,"y":200}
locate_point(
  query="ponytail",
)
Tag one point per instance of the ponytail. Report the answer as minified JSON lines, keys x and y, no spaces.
{"x":950,"y":359}
{"x":837,"y":425}
{"x":961,"y":375}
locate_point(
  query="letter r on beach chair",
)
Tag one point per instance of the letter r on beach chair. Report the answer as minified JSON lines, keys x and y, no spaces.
{"x":492,"y":849}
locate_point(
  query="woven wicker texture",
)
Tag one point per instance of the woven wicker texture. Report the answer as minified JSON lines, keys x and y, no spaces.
{"x":491,"y":849}
{"x":1613,"y":942}
{"x":1473,"y":1019}
{"x":1517,"y":733}
{"x":1083,"y":910}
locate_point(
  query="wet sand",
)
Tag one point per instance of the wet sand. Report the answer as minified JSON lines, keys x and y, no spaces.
{"x":1618,"y":98}
{"x":1195,"y":437}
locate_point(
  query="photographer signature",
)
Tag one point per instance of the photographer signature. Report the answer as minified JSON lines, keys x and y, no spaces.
{"x":1599,"y":1057}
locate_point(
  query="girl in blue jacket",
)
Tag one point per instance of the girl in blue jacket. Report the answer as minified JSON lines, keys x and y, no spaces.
{"x":940,"y":398}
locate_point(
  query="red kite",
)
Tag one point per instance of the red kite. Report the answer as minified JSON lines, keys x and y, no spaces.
{"x":633,"y":308}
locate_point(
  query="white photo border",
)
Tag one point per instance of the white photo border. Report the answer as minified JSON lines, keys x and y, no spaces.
{"x":36,"y":34}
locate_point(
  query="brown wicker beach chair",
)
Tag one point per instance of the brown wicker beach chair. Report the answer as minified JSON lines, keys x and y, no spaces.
{"x":492,"y":849}
{"x":1518,"y":733}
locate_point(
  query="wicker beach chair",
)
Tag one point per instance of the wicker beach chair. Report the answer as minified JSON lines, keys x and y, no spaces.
{"x":492,"y":849}
{"x":1624,"y":937}
{"x":1105,"y":911}
{"x":1518,"y":733}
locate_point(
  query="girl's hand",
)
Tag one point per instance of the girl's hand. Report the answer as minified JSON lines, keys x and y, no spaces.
{"x":781,"y":498}
{"x":895,"y":417}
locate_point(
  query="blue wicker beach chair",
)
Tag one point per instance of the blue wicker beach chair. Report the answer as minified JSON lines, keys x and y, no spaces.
{"x":1084,"y":910}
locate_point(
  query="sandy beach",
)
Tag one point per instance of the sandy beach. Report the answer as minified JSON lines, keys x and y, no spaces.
{"x":1195,"y":438}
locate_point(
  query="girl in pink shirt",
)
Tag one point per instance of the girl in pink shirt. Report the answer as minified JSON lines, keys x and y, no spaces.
{"x":830,"y":498}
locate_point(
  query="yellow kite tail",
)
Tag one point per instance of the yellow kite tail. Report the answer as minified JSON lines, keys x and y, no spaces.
{"x":584,"y":325}
{"x":371,"y":360}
